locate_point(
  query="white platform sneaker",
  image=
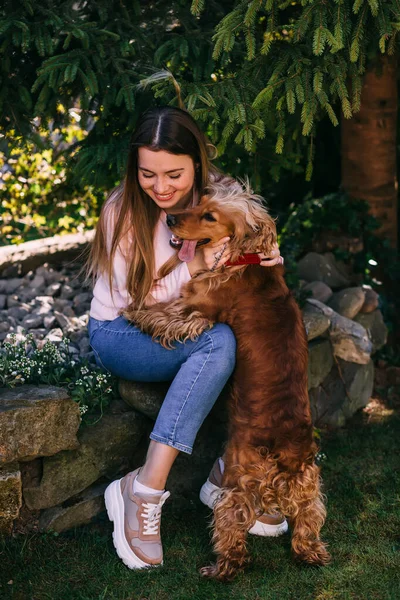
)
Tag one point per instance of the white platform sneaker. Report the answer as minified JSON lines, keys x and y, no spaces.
{"x":268,"y":525}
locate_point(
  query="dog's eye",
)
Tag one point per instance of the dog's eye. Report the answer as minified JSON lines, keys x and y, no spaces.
{"x":208,"y":217}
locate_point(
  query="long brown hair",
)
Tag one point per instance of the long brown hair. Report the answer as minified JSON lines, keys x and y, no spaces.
{"x":129,"y":210}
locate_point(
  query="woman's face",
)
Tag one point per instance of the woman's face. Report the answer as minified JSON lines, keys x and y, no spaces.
{"x":167,"y":178}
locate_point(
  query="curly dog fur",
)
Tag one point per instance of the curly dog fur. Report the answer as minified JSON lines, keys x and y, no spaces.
{"x":269,"y":458}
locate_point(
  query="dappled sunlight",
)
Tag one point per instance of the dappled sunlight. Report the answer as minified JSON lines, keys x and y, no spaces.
{"x":377,"y":411}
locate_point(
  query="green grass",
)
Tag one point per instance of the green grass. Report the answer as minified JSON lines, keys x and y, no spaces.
{"x":361,"y":476}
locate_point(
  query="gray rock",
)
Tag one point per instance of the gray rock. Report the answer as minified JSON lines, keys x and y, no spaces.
{"x":315,"y":322}
{"x":371,"y":302}
{"x":13,"y":300}
{"x":4,"y":326}
{"x":27,"y":294}
{"x":69,"y":312}
{"x":67,"y":292}
{"x":375,"y":326}
{"x":55,"y":335}
{"x":38,"y":282}
{"x":81,"y":321}
{"x":39,"y":333}
{"x":320,"y":291}
{"x":45,"y":300}
{"x":32,"y":321}
{"x":106,"y":448}
{"x":79,"y":510}
{"x":13,"y":284}
{"x":3,"y":301}
{"x":62,"y":320}
{"x":81,"y":299}
{"x":44,"y":271}
{"x":84,"y":345}
{"x":53,"y":289}
{"x":36,"y":421}
{"x":349,"y":339}
{"x":3,"y":286}
{"x":12,"y":320}
{"x":60,"y":304}
{"x":44,"y":310}
{"x":320,"y":361}
{"x":76,"y":335}
{"x":328,"y":240}
{"x":144,"y":397}
{"x":30,"y":255}
{"x":10,"y":495}
{"x":322,"y":267}
{"x":49,"y":274}
{"x":49,"y":321}
{"x":18,"y":312}
{"x":348,"y":302}
{"x":76,"y":283}
{"x":347,"y":388}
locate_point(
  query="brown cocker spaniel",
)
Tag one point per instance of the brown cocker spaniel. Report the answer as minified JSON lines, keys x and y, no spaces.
{"x":269,"y":458}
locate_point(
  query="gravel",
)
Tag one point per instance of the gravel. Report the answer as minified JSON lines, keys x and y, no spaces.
{"x":50,"y":303}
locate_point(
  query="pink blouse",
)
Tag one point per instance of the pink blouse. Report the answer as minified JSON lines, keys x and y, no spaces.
{"x":106,"y":307}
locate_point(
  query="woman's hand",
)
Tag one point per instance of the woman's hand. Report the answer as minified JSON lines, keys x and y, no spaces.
{"x":271,"y":259}
{"x":206,"y":258}
{"x":217,"y":254}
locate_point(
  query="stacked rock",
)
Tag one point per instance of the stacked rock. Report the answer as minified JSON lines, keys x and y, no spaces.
{"x":60,"y":470}
{"x":345,"y":327}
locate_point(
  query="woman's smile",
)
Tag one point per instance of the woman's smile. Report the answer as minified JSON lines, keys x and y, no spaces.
{"x":164,"y":197}
{"x":167,"y":178}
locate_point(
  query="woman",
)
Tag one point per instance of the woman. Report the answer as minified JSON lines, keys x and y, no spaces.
{"x":134,"y":257}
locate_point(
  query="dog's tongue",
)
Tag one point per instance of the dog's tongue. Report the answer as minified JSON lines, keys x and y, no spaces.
{"x":188,"y":248}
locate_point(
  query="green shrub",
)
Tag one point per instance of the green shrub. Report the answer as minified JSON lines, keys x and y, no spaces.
{"x":336,"y":213}
{"x":23,"y":361}
{"x":37,"y":197}
{"x":376,"y":261}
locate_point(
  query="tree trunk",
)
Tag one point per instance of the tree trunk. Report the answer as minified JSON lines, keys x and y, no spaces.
{"x":368,"y":141}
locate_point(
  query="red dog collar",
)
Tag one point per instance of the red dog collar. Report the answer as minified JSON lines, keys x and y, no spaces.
{"x":245,"y":259}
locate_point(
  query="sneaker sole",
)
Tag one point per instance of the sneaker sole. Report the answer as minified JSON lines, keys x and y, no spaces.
{"x":209,"y":495}
{"x":115,"y":510}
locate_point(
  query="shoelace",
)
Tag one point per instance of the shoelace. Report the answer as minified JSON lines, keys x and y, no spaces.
{"x":152,"y":514}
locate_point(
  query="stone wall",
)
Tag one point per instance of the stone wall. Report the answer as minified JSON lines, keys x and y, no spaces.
{"x":57,"y":470}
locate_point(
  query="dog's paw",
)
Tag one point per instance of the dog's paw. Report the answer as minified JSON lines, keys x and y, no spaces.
{"x":211,"y":571}
{"x":214,"y":572}
{"x":199,"y":325}
{"x":313,"y":553}
{"x":166,"y":342}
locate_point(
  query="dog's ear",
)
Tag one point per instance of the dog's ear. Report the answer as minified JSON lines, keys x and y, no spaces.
{"x":241,"y":226}
{"x":261,"y":223}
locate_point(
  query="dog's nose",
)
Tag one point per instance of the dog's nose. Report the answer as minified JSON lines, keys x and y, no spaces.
{"x":171,"y":220}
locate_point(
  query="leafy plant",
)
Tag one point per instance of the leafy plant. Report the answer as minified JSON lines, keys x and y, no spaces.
{"x":24,"y":360}
{"x":37,"y":197}
{"x":258,"y":75}
{"x":309,"y":222}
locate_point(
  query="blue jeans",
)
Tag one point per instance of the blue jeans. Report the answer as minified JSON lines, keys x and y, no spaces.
{"x":198,"y":370}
